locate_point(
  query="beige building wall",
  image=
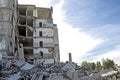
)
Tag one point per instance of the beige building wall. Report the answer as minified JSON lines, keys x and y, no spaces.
{"x":46,"y":32}
{"x":44,"y":13}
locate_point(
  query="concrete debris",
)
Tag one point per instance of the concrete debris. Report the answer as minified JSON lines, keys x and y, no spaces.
{"x":68,"y":66}
{"x":109,"y":73}
{"x":18,"y":63}
{"x":15,"y":76}
{"x":27,"y":66}
{"x":0,"y":57}
{"x":19,"y":70}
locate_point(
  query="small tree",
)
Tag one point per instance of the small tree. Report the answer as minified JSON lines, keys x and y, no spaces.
{"x":98,"y":66}
{"x":92,"y":66}
{"x":84,"y":63}
{"x":108,"y":64}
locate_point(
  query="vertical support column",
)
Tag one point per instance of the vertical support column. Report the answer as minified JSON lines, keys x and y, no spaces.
{"x":70,"y":57}
{"x":26,"y":24}
{"x":56,"y":42}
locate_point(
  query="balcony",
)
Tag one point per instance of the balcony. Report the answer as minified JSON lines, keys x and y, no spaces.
{"x":43,"y":34}
{"x":45,"y":44}
{"x":44,"y":25}
{"x":48,"y":44}
{"x":36,"y":45}
{"x":45,"y":55}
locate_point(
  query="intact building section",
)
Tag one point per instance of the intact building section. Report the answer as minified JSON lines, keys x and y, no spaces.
{"x":45,"y":48}
{"x":38,"y":34}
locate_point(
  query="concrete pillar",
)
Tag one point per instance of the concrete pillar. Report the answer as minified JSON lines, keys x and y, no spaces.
{"x":70,"y":57}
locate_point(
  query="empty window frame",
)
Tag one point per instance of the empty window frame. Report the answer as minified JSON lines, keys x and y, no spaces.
{"x":40,"y":33}
{"x":40,"y":24}
{"x":41,"y":43}
{"x":41,"y":54}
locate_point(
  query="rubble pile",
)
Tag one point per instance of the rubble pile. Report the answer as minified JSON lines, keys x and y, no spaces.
{"x":19,"y":70}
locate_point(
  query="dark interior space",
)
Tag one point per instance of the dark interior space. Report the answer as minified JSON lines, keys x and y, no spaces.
{"x":30,"y":22}
{"x":28,"y":42}
{"x":28,"y":53}
{"x":22,"y":11}
{"x":30,"y":33}
{"x":22,"y":20}
{"x":29,"y":12}
{"x":22,"y":30}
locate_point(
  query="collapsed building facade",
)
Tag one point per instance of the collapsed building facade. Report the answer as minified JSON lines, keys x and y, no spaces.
{"x":27,"y":33}
{"x":38,"y":34}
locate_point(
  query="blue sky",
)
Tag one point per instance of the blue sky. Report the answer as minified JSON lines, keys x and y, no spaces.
{"x":98,"y":18}
{"x":89,"y":29}
{"x":92,"y":12}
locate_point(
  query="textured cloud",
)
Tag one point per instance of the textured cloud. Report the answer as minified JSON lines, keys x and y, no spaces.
{"x":92,"y":13}
{"x":99,"y":19}
{"x":112,"y":54}
{"x":109,"y":48}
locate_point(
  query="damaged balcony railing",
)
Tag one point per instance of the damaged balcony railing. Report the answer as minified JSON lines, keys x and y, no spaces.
{"x":45,"y":55}
{"x":45,"y":44}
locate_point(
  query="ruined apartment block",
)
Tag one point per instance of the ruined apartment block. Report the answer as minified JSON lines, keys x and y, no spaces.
{"x":8,"y":20}
{"x":38,"y":34}
{"x":27,"y":33}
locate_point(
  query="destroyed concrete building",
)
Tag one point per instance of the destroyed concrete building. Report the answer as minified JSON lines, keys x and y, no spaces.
{"x":27,"y":33}
{"x":38,"y":34}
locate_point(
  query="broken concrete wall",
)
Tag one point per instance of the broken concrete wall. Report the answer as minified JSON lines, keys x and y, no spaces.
{"x":56,"y":43}
{"x":8,"y":19}
{"x":56,"y":77}
{"x":6,"y":3}
{"x":44,"y":61}
{"x":5,"y":31}
{"x":20,"y":53}
{"x":3,"y":43}
{"x":5,"y":15}
{"x":44,"y":13}
{"x":5,"y":28}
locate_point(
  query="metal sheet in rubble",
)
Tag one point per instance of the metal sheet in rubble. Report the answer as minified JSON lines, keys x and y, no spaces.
{"x":15,"y":76}
{"x":27,"y":66}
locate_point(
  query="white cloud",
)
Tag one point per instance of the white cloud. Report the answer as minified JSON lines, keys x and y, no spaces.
{"x":114,"y":55}
{"x":71,"y":39}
